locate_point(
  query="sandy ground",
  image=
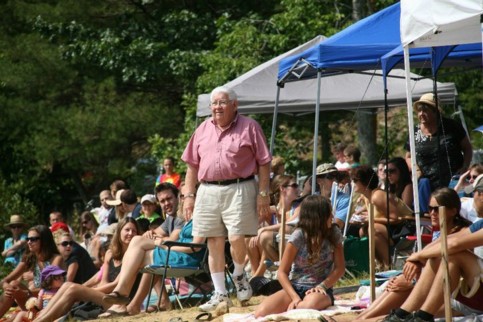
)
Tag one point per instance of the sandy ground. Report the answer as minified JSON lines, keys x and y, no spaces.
{"x":189,"y":314}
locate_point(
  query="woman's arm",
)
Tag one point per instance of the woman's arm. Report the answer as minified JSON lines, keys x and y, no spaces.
{"x":379,"y":200}
{"x":339,"y":267}
{"x":58,"y":261}
{"x":462,"y":181}
{"x":71,"y":271}
{"x":283,"y":271}
{"x":407,"y":195}
{"x":16,"y":273}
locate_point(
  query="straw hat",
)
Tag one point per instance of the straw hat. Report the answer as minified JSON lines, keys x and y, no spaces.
{"x":326,"y":168}
{"x":15,"y":220}
{"x":427,"y":99}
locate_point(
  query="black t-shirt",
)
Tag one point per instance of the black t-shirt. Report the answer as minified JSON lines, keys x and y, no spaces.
{"x":86,"y":267}
{"x":439,"y":156}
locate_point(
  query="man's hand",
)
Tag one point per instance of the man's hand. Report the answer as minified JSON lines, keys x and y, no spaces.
{"x":188,"y":207}
{"x":263,"y":207}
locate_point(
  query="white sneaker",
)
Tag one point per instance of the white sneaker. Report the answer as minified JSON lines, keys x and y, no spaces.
{"x":243,"y":289}
{"x":215,"y":300}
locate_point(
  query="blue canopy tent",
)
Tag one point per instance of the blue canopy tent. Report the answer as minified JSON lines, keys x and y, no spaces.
{"x":361,"y":47}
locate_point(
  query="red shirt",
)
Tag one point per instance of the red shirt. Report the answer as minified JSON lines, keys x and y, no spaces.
{"x":230,"y":154}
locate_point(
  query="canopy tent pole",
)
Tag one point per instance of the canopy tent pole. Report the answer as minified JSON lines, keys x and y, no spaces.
{"x":274,"y":121}
{"x":386,"y":156}
{"x":316,"y":133}
{"x":409,"y":99}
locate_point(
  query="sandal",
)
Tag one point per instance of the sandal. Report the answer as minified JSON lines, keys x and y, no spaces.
{"x":115,"y":298}
{"x":203,"y":317}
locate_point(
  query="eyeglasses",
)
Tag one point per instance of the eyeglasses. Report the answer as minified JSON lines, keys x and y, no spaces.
{"x":473,"y":177}
{"x":327,"y":176}
{"x":222,"y":103}
{"x":391,"y":170}
{"x":85,"y":222}
{"x":33,"y":239}
{"x":293,"y":185}
{"x":16,"y":226}
{"x":67,"y":243}
{"x":435,"y":209}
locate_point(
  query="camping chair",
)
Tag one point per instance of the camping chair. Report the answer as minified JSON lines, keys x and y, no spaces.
{"x":406,"y":245}
{"x":192,"y":274}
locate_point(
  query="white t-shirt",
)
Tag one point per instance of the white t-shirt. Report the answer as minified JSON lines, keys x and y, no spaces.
{"x":468,"y":210}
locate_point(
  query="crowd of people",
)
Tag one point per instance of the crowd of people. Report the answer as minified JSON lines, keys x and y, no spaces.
{"x":234,"y":192}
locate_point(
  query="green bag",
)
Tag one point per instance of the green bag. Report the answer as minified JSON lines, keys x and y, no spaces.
{"x":356,"y":254}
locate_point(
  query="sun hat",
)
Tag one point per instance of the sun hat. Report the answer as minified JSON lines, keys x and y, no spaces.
{"x":149,"y":197}
{"x":51,"y":270}
{"x":109,"y":230}
{"x":326,"y":168}
{"x":477,"y":185}
{"x":117,"y":201}
{"x":426,"y":99}
{"x":15,"y":220}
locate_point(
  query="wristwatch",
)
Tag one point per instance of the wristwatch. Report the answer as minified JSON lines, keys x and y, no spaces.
{"x":263,"y":193}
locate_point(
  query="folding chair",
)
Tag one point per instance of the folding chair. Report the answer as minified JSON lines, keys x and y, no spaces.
{"x":190,"y":273}
{"x":406,"y":245}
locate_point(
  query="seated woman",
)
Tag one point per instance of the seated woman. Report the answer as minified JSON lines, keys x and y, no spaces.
{"x":71,"y":293}
{"x":365,"y":182}
{"x":283,"y":192}
{"x":399,"y":288}
{"x":79,"y":265}
{"x":143,"y":252}
{"x":314,"y":258}
{"x":41,"y":252}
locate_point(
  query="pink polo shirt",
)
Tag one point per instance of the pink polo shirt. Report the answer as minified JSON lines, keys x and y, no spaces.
{"x":234,"y":153}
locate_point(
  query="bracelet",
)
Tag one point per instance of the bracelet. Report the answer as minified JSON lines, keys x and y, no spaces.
{"x":323,"y":286}
{"x":189,"y":195}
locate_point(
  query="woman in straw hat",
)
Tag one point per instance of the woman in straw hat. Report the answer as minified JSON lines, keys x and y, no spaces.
{"x":443,"y":148}
{"x":15,"y":245}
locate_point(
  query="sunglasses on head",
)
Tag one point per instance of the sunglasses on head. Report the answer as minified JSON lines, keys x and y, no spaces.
{"x":32,"y":239}
{"x":16,"y":226}
{"x":293,"y":185}
{"x":67,"y":243}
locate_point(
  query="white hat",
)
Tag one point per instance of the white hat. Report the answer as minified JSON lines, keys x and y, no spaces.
{"x":117,"y":201}
{"x":150,"y":198}
{"x":109,"y":230}
{"x":477,"y":185}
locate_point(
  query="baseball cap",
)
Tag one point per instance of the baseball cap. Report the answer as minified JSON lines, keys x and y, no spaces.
{"x":149,"y":197}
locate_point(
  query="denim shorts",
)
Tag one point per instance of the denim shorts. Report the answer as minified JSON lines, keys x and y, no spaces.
{"x":301,"y":289}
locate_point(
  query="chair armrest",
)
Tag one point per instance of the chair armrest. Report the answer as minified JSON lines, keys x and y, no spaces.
{"x":170,"y":243}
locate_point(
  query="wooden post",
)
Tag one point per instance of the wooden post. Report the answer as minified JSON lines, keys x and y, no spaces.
{"x":372,"y":253}
{"x":281,"y":246}
{"x":444,"y":262}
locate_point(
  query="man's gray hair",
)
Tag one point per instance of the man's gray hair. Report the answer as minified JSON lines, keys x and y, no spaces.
{"x":226,"y":90}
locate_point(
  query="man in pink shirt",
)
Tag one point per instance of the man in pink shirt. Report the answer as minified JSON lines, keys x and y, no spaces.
{"x":224,"y":154}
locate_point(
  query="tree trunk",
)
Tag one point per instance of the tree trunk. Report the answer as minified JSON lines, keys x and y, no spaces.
{"x":366,"y":122}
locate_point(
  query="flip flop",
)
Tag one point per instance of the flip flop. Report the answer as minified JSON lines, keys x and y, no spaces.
{"x":176,"y":319}
{"x":115,"y":298}
{"x":112,"y":314}
{"x":203,"y":317}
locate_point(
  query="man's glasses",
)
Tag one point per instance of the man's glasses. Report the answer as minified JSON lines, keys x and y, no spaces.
{"x":222,"y":103}
{"x":435,"y":209}
{"x":16,"y":226}
{"x":391,"y":170}
{"x":67,"y":243}
{"x":293,"y":185}
{"x":33,"y":239}
{"x":327,"y":176}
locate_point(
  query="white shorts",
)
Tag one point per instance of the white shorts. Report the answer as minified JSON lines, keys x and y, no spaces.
{"x":226,"y":210}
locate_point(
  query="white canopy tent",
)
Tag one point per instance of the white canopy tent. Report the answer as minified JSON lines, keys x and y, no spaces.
{"x":433,"y":23}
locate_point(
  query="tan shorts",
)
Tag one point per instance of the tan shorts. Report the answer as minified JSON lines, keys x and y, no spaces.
{"x":226,"y":210}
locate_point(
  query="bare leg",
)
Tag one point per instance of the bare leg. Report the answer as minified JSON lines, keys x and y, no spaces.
{"x":63,"y":304}
{"x":275,"y":303}
{"x":238,"y":248}
{"x":216,"y":254}
{"x":384,"y":304}
{"x":138,"y":255}
{"x":266,"y":240}
{"x":315,"y":301}
{"x":253,"y":253}
{"x":460,"y":264}
{"x":382,"y":247}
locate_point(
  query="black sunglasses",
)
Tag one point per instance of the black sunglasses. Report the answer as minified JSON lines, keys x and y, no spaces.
{"x":435,"y":209}
{"x":16,"y":226}
{"x":293,"y":185}
{"x":67,"y":243}
{"x":392,"y":170}
{"x":329,"y":176}
{"x":32,"y":239}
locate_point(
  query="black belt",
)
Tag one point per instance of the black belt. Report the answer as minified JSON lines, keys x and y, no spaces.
{"x":229,"y":181}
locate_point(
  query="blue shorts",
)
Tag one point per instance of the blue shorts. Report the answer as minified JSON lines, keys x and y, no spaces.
{"x":301,"y":289}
